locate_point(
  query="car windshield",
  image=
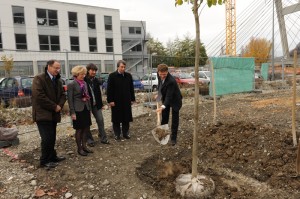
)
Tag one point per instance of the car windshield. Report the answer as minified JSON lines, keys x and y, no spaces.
{"x":207,"y":73}
{"x":26,"y":82}
{"x":146,"y":77}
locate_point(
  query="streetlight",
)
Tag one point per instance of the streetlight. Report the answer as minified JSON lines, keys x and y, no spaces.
{"x":67,"y":64}
{"x":150,"y":77}
{"x":273,"y":43}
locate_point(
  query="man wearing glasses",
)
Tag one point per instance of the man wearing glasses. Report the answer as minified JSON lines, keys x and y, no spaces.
{"x":48,"y":98}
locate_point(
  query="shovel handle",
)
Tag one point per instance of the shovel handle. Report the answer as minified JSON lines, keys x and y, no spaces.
{"x":158,"y":114}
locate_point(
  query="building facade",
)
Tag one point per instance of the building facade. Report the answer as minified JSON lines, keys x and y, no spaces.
{"x":34,"y":31}
{"x":134,"y":46}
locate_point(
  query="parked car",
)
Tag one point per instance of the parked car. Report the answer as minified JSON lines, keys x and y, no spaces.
{"x":137,"y":84}
{"x":204,"y":76}
{"x":184,"y":79}
{"x":15,"y":87}
{"x":150,"y":81}
{"x":65,"y":82}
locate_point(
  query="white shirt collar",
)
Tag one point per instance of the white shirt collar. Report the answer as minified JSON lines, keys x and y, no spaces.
{"x":51,"y":76}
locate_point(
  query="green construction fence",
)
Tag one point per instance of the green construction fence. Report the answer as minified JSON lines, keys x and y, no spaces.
{"x":264,"y":70}
{"x":232,"y":75}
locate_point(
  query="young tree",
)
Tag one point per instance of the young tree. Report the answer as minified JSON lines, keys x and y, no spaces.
{"x":8,"y":64}
{"x":191,"y":185}
{"x":259,"y":48}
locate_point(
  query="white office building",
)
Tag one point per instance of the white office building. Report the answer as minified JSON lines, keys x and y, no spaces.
{"x":34,"y":31}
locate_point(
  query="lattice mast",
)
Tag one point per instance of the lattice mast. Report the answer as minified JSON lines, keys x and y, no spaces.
{"x":230,"y":6}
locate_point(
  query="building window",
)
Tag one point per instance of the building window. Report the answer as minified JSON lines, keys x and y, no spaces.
{"x":109,"y":45}
{"x":1,"y":42}
{"x":93,"y":44}
{"x":46,"y":17}
{"x":73,"y":19}
{"x":108,"y":22}
{"x":135,"y":30}
{"x":74,"y":43}
{"x":91,"y":20}
{"x":21,"y":43}
{"x":137,"y":48}
{"x":18,"y":14}
{"x":49,"y":42}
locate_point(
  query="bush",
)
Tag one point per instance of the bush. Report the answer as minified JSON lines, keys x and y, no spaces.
{"x":20,"y":102}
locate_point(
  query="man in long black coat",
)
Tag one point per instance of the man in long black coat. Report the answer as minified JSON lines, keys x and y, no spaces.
{"x":170,"y":95}
{"x":120,"y":96}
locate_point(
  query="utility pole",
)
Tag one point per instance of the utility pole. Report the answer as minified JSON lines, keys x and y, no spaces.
{"x":273,"y":42}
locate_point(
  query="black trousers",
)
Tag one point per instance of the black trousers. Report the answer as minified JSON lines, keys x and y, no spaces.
{"x":175,"y":121}
{"x":117,"y":128}
{"x":47,"y":132}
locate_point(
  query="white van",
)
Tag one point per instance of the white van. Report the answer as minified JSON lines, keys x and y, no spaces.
{"x":150,"y":81}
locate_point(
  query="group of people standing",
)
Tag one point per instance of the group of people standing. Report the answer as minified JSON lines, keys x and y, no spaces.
{"x":84,"y":98}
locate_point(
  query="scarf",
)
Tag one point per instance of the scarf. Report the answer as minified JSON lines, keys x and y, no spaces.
{"x":85,"y":95}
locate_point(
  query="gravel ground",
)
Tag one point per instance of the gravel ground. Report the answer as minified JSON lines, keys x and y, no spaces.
{"x":248,"y":154}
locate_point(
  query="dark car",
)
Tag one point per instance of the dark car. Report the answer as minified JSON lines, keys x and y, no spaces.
{"x":137,"y":84}
{"x":15,"y":88}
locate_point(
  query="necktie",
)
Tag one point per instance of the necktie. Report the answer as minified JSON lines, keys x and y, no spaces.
{"x":53,"y":81}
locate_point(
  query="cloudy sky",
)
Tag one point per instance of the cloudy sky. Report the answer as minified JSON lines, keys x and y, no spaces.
{"x":164,"y":21}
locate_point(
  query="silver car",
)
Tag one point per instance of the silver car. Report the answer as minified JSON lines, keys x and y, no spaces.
{"x":150,"y":81}
{"x":204,"y":76}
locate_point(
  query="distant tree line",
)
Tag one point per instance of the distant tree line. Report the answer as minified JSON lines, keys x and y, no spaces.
{"x":181,"y":52}
{"x":178,"y":53}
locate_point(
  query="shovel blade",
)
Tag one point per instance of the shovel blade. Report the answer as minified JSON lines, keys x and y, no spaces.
{"x":161,"y":134}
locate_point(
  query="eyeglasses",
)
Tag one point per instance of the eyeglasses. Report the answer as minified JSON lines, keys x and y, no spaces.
{"x":55,"y":68}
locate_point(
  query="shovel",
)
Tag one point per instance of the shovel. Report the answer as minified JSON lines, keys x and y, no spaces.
{"x":161,"y":133}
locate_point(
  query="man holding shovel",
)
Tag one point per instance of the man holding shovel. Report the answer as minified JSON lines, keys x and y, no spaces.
{"x":170,"y":95}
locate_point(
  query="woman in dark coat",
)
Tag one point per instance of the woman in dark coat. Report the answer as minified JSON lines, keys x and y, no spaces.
{"x":79,"y":104}
{"x":120,"y":96}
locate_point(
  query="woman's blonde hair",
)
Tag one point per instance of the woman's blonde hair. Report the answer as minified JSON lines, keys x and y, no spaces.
{"x":78,"y":70}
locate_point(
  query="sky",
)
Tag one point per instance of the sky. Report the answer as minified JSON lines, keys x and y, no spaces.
{"x":166,"y":22}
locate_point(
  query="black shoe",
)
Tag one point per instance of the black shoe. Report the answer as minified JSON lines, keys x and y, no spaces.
{"x":50,"y":165}
{"x":126,"y":136}
{"x":82,"y":153}
{"x":59,"y":159}
{"x":173,"y":142}
{"x":91,"y":144}
{"x":105,"y":142}
{"x":88,"y":150}
{"x":117,"y":138}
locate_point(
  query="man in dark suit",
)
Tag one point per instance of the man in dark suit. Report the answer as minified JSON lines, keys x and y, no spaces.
{"x":170,"y":95}
{"x":48,"y":98}
{"x":120,"y":96}
{"x":96,"y":103}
